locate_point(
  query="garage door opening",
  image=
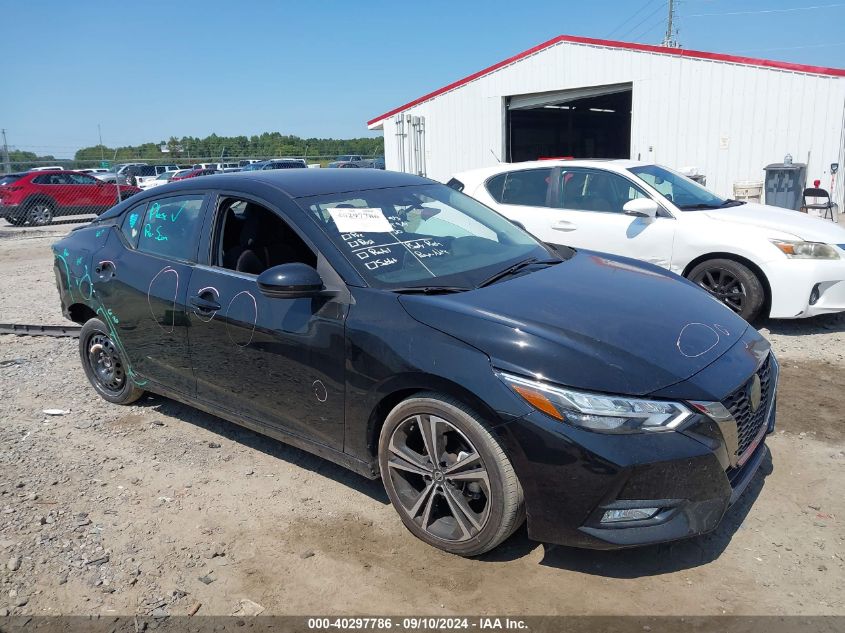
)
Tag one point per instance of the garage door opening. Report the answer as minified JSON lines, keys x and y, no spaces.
{"x":584,"y":123}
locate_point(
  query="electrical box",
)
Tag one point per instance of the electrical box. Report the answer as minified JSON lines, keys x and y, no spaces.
{"x":784,"y":184}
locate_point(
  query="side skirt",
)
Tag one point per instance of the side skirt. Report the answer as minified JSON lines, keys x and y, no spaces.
{"x":363,"y":468}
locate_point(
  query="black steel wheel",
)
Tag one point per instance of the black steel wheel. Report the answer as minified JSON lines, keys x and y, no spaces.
{"x":39,"y":213}
{"x":732,"y":283}
{"x":448,"y":477}
{"x":104,"y":364}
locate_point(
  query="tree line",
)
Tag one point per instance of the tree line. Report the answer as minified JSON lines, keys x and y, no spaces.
{"x":189,"y":148}
{"x":266,"y":145}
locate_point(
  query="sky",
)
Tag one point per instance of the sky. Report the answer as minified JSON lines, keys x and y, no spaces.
{"x":145,"y":71}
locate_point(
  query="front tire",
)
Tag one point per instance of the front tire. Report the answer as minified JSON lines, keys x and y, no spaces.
{"x":104,"y":365}
{"x":448,"y":477}
{"x":732,"y":283}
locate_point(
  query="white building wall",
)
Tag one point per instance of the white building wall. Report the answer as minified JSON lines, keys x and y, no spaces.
{"x":729,"y":120}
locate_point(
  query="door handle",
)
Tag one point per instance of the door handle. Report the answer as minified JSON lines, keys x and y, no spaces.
{"x":564,"y":225}
{"x":204,"y":305}
{"x":105,"y":270}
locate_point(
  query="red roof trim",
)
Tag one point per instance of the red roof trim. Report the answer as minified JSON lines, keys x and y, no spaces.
{"x":648,"y":48}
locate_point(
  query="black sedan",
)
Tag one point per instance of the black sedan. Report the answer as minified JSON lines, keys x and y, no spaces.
{"x":402,"y":329}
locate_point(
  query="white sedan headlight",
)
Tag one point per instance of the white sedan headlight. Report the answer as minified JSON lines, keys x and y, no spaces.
{"x":598,"y":412}
{"x":806,"y":250}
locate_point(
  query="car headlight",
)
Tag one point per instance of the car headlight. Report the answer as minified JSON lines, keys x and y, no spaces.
{"x":806,"y":250}
{"x":598,"y":412}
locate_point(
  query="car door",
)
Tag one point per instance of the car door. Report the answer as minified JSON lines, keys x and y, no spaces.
{"x":591,"y":216}
{"x":277,"y":361}
{"x":525,"y":197}
{"x":140,"y":281}
{"x":90,"y":194}
{"x":59,"y":188}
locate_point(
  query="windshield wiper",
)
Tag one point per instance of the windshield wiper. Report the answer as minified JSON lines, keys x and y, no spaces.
{"x":429,"y":290}
{"x":696,"y":207}
{"x":732,"y":203}
{"x":510,"y":270}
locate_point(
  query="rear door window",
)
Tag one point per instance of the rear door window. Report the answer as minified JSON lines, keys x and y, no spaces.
{"x":170,"y":227}
{"x":527,"y":187}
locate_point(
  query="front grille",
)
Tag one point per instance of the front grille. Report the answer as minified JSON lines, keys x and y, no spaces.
{"x":748,"y":422}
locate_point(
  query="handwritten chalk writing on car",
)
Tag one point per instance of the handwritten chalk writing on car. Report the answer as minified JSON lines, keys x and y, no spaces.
{"x":360,"y":220}
{"x":158,"y":236}
{"x":426,"y":247}
{"x":380,"y":263}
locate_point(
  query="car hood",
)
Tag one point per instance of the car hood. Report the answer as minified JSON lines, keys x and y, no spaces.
{"x":594,"y":322}
{"x":800,"y":225}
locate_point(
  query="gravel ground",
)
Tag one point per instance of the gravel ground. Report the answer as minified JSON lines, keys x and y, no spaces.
{"x":160,"y":509}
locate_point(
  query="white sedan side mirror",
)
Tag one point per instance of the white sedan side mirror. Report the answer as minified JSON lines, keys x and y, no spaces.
{"x":641,"y":208}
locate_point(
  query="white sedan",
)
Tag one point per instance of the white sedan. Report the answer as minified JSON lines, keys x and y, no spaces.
{"x":162,"y":179}
{"x":754,"y":258}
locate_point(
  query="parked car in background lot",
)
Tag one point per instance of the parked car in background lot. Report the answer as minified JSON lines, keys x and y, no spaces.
{"x":345,"y":159}
{"x":400,"y":328}
{"x":276,"y":163}
{"x":249,"y":161}
{"x":756,"y":259}
{"x":93,"y":171}
{"x":136,"y":174}
{"x":162,"y":179}
{"x":37,"y":197}
{"x":49,"y":168}
{"x":192,"y":173}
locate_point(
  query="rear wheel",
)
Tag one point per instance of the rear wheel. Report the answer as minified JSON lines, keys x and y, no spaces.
{"x":732,"y":283}
{"x":40,"y":213}
{"x":448,"y":477}
{"x":104,"y":365}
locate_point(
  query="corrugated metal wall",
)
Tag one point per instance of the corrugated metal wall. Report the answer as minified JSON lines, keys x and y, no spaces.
{"x":730,"y":120}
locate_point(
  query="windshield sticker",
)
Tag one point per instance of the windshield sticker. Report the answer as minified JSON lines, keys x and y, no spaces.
{"x":360,"y":221}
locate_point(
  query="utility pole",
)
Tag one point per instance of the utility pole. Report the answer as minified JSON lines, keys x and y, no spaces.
{"x":670,"y":40}
{"x":102,"y":150}
{"x":7,"y":164}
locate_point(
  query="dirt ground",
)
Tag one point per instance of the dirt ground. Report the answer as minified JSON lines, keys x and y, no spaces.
{"x":158,"y":508}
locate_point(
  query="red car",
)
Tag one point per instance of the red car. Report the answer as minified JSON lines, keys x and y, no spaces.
{"x":193,"y":174}
{"x":37,"y":197}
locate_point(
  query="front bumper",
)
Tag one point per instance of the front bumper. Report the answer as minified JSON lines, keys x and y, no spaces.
{"x":571,"y":477}
{"x":793,"y":280}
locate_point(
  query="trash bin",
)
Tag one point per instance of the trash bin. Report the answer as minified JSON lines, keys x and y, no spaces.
{"x":785,"y":184}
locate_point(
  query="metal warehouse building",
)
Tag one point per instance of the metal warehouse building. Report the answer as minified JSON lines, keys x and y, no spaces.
{"x":726,"y":116}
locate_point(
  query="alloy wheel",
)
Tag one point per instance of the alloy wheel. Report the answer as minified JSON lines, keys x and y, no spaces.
{"x":723,"y":285}
{"x":439,"y":477}
{"x":40,"y":214}
{"x":105,"y":363}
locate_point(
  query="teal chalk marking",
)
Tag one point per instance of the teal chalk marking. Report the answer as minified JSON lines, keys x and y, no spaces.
{"x":133,"y":219}
{"x":99,"y":233}
{"x":176,"y":215}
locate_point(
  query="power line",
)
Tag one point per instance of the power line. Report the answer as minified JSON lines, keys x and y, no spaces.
{"x":636,"y":13}
{"x":662,"y":6}
{"x":762,"y":11}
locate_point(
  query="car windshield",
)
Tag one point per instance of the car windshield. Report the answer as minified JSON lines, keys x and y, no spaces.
{"x":421,"y":236}
{"x":253,"y":167}
{"x":684,"y":193}
{"x":344,"y":157}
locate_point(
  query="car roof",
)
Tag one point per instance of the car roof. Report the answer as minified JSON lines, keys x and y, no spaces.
{"x":297,"y":183}
{"x":485,"y":172}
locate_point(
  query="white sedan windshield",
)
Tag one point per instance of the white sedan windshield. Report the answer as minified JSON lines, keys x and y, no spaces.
{"x":684,"y":193}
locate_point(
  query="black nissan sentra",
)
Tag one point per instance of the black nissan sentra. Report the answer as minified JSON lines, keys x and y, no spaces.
{"x":402,"y":329}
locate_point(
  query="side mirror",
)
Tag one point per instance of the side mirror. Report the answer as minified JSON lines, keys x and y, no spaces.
{"x":641,"y":208}
{"x":290,"y":281}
